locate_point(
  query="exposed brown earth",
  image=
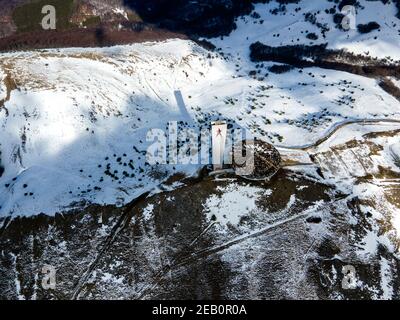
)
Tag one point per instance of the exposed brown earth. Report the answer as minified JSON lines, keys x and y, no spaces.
{"x":10,"y":86}
{"x":91,"y":37}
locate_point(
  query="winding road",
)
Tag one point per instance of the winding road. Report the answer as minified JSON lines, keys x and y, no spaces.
{"x":335,"y":128}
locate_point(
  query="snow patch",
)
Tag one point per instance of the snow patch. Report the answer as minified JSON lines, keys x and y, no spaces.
{"x":148,"y":211}
{"x":386,"y":279}
{"x":234,"y":202}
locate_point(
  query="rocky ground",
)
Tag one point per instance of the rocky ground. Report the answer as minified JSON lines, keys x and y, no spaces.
{"x":224,"y":238}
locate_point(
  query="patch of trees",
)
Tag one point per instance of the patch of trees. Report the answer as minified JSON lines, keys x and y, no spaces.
{"x":312,"y":18}
{"x":1,"y":167}
{"x":90,"y":37}
{"x":344,"y":3}
{"x":390,"y":88}
{"x":368,"y":27}
{"x":280,"y":68}
{"x":397,"y":3}
{"x":302,"y":56}
{"x":285,"y":54}
{"x":208,"y":18}
{"x":312,"y":36}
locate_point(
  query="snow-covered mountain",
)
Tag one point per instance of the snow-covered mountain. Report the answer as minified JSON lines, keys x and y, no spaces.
{"x":72,"y":114}
{"x":74,"y":121}
{"x":76,"y":113}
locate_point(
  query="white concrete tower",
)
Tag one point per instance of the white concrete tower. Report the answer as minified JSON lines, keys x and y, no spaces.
{"x":218,"y":131}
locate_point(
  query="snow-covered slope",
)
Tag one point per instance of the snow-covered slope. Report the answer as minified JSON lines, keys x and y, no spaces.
{"x":74,"y":130}
{"x":77,"y":114}
{"x":80,"y":112}
{"x":289,"y":24}
{"x":73,"y":126}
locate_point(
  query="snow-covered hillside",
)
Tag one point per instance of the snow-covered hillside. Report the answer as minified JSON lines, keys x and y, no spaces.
{"x":80,"y":112}
{"x":290,"y":24}
{"x":73,"y":130}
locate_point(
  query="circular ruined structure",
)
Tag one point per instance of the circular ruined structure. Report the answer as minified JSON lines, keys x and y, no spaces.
{"x":256,"y":160}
